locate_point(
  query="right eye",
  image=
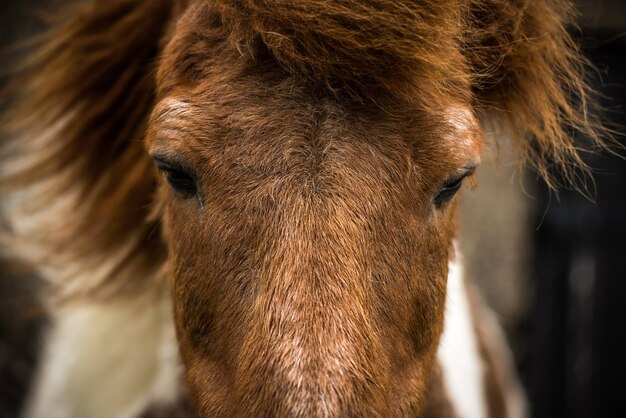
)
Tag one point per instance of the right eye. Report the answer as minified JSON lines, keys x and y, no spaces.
{"x":448,"y":191}
{"x":179,"y":180}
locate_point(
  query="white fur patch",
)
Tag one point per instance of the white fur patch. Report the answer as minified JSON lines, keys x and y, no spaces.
{"x":108,"y":359}
{"x":495,"y":340}
{"x":458,"y":353}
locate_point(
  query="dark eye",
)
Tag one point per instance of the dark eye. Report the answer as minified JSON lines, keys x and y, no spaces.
{"x":178,"y":178}
{"x":448,"y":191}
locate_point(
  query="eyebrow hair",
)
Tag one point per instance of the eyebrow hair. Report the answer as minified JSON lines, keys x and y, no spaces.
{"x":172,"y":106}
{"x":465,"y":171}
{"x":170,"y":161}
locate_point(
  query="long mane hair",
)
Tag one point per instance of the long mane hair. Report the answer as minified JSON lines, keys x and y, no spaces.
{"x":78,"y":187}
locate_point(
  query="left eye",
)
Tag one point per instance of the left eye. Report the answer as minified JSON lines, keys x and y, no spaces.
{"x":448,"y":191}
{"x":181,"y":182}
{"x":178,"y":179}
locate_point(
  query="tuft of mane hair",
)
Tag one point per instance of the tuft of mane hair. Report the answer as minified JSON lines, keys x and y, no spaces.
{"x":77,"y":185}
{"x":529,"y":74}
{"x":75,"y":181}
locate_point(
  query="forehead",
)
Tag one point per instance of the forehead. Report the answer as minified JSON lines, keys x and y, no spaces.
{"x":211,"y":96}
{"x":269,"y":120}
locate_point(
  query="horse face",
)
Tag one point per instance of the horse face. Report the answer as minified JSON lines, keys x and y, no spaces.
{"x":308,"y":237}
{"x":309,"y":151}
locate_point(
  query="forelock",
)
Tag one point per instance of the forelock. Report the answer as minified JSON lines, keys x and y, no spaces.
{"x":362,"y":49}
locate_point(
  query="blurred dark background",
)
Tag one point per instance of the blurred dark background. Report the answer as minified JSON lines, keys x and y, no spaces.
{"x":575,"y":365}
{"x":552,"y":267}
{"x":21,"y":316}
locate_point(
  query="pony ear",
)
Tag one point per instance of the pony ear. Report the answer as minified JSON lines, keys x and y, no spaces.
{"x":75,"y":179}
{"x":529,"y":73}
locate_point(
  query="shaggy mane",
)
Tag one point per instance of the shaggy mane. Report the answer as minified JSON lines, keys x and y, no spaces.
{"x":77,"y":184}
{"x":524,"y":70}
{"x":75,"y":180}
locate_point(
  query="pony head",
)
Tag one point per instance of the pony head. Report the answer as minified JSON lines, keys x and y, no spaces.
{"x":289,"y":168}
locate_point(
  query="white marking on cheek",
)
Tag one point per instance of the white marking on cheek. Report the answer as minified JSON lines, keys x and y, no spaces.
{"x":458,"y":353}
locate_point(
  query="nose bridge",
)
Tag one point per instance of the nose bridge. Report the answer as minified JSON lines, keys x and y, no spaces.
{"x":316,"y":340}
{"x":322,"y":278}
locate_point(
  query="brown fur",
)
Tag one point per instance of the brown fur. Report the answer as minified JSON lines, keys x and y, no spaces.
{"x":437,"y":403}
{"x":308,"y":276}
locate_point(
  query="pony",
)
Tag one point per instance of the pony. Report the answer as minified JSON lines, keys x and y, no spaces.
{"x":247,"y":207}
